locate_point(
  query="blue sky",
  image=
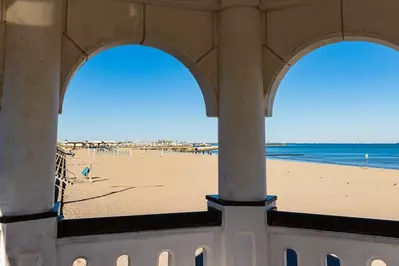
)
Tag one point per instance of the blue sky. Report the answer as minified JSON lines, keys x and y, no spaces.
{"x":344,"y":92}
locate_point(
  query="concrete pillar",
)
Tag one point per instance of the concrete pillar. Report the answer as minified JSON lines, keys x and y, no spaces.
{"x":28,"y":118}
{"x":241,"y":112}
{"x":28,"y":131}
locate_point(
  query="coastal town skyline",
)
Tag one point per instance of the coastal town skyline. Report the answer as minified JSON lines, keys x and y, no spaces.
{"x":177,"y":142}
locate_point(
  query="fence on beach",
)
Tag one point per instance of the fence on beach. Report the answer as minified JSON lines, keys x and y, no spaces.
{"x":61,"y":180}
{"x":128,"y":152}
{"x":115,"y":152}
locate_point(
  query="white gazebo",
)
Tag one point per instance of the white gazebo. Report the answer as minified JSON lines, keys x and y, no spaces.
{"x":238,"y":50}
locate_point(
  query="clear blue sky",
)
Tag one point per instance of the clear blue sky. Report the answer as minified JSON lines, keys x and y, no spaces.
{"x":345,"y":92}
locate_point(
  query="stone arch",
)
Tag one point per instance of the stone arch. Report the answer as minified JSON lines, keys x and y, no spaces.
{"x":200,"y":73}
{"x":294,"y":28}
{"x":187,"y":35}
{"x":274,"y":75}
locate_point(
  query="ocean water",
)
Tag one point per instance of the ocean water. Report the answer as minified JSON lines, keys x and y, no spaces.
{"x":380,"y":155}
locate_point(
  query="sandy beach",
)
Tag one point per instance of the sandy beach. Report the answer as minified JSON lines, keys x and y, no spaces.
{"x":148,"y":183}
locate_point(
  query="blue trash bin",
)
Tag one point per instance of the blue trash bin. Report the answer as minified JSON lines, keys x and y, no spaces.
{"x":86,"y":171}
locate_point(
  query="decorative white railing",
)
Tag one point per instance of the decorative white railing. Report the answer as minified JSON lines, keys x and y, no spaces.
{"x":206,"y":238}
{"x":177,"y":239}
{"x":308,"y":247}
{"x":291,"y":246}
{"x":166,"y":247}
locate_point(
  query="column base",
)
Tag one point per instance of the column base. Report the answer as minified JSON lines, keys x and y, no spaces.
{"x":28,"y":240}
{"x":28,"y":217}
{"x":244,"y":240}
{"x":215,"y":201}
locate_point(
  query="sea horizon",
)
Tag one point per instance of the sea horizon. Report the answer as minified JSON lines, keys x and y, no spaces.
{"x":380,"y":155}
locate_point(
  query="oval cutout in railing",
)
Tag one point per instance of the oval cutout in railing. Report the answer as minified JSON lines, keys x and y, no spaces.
{"x":80,"y":262}
{"x":123,"y":260}
{"x":291,"y":258}
{"x":200,"y":257}
{"x":332,"y":260}
{"x":165,"y":259}
{"x":378,"y":262}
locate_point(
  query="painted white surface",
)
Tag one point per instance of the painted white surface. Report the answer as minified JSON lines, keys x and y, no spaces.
{"x":28,"y":118}
{"x":241,"y":125}
{"x":28,"y":243}
{"x":142,"y":248}
{"x":312,"y":247}
{"x":244,"y":239}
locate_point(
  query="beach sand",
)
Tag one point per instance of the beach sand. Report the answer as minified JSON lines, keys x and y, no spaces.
{"x":147,"y":183}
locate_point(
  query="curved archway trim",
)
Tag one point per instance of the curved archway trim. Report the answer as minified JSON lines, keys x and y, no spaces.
{"x":204,"y":70}
{"x":278,"y":67}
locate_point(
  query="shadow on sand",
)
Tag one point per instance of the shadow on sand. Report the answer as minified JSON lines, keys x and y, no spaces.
{"x":112,"y":193}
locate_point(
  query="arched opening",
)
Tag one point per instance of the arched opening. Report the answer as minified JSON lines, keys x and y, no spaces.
{"x":165,"y":258}
{"x":377,"y":262}
{"x":134,"y":125}
{"x":332,"y":260}
{"x":80,"y":262}
{"x":123,"y":260}
{"x":290,"y":257}
{"x":332,"y":138}
{"x":201,"y":256}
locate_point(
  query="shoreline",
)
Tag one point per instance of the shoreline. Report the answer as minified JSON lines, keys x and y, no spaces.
{"x":148,"y":183}
{"x":279,"y":158}
{"x":337,"y":164}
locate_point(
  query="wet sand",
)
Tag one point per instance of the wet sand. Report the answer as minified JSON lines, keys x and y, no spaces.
{"x":149,"y":183}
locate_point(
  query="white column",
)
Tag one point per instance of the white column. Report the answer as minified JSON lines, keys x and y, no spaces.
{"x":28,"y":118}
{"x":28,"y":131}
{"x":242,"y":173}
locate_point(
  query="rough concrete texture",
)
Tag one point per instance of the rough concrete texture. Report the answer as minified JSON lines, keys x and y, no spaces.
{"x":28,"y":243}
{"x":241,"y":103}
{"x":72,"y":58}
{"x":206,"y":74}
{"x":370,"y":20}
{"x":2,"y":57}
{"x":274,"y":69}
{"x":28,"y":124}
{"x":95,"y":24}
{"x":290,"y":30}
{"x":188,"y":34}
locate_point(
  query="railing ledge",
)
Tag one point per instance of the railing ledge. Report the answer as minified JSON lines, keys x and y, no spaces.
{"x":126,"y":224}
{"x":330,"y":223}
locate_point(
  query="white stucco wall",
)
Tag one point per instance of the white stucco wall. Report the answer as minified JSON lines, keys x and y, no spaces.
{"x":142,"y":248}
{"x":313,"y":246}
